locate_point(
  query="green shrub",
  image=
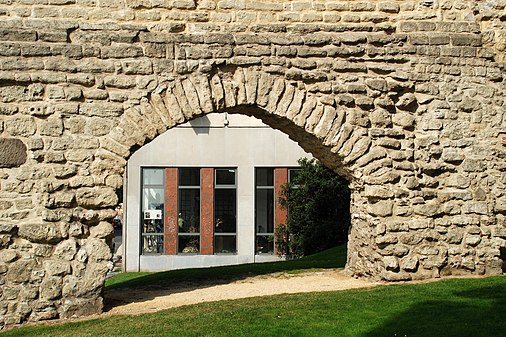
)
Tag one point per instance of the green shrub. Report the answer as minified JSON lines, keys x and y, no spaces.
{"x":318,"y":203}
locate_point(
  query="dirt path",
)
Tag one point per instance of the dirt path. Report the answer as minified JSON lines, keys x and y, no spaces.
{"x":126,"y":302}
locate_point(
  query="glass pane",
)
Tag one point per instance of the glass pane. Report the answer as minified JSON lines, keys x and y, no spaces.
{"x":189,"y":177}
{"x":225,"y":211}
{"x":265,"y":244}
{"x":293,"y":174}
{"x":225,"y":177}
{"x":189,"y":211}
{"x":152,"y":225}
{"x":152,"y":244}
{"x":264,"y":201}
{"x":224,"y":244}
{"x":264,"y":177}
{"x":189,"y":244}
{"x":153,"y":176}
{"x":153,"y":198}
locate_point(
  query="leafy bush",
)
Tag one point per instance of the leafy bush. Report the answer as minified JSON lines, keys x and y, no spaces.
{"x":318,"y":203}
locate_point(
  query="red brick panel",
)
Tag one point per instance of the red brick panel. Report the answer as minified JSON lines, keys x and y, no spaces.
{"x":280,"y":178}
{"x":207,"y":212}
{"x":171,"y":212}
{"x":280,"y":214}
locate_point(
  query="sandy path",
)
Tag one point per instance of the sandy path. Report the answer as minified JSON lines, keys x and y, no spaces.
{"x":126,"y":302}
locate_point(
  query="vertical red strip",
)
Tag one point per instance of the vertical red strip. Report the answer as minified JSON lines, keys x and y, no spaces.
{"x":280,"y":214}
{"x":171,"y":212}
{"x":207,"y":212}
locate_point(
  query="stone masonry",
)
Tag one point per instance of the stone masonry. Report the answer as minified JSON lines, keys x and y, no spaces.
{"x":404,"y":98}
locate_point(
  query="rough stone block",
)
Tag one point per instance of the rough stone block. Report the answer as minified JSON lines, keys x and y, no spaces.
{"x":13,"y":152}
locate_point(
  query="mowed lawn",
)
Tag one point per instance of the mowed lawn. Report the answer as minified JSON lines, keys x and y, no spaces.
{"x":455,"y":307}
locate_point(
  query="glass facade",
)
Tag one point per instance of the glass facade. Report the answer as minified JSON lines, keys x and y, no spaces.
{"x":188,"y":211}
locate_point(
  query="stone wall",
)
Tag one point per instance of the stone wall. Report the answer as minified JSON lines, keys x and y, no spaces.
{"x":404,"y":98}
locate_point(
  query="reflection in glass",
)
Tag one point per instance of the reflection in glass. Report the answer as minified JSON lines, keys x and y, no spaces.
{"x":265,"y":244}
{"x":264,"y":201}
{"x":152,"y":176}
{"x":189,"y":211}
{"x":225,"y":244}
{"x":153,"y":200}
{"x":225,"y":177}
{"x":152,"y":244}
{"x":189,"y":244}
{"x":189,"y":177}
{"x":264,"y":176}
{"x":225,"y":210}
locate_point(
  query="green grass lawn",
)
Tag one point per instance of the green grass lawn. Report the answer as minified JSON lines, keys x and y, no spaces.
{"x":455,"y":307}
{"x":332,"y":258}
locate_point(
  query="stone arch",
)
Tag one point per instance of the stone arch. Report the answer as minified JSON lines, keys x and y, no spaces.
{"x":335,"y":131}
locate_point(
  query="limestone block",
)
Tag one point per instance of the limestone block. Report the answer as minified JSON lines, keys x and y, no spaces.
{"x":20,"y":126}
{"x":65,"y":250}
{"x":45,"y":232}
{"x":381,"y":118}
{"x":96,"y":197}
{"x":458,"y":181}
{"x":409,"y":263}
{"x":452,"y":155}
{"x":473,"y":240}
{"x":51,"y":127}
{"x":20,"y":271}
{"x":428,"y":210}
{"x":391,"y":263}
{"x":12,"y":154}
{"x":56,"y":267}
{"x":479,"y":207}
{"x":7,"y":255}
{"x":103,"y":230}
{"x":97,"y":250}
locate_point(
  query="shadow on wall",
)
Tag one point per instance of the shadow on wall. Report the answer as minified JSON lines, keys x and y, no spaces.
{"x":201,"y":125}
{"x":480,"y":312}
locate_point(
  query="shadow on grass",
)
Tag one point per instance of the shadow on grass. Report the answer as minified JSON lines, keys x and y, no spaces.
{"x":478,"y":312}
{"x":196,"y":278}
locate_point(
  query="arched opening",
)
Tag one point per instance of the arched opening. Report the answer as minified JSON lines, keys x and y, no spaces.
{"x":317,"y":123}
{"x":205,"y":193}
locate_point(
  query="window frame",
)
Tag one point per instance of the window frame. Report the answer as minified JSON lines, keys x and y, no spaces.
{"x":189,"y":234}
{"x":157,"y":235}
{"x":264,"y":188}
{"x":224,"y":187}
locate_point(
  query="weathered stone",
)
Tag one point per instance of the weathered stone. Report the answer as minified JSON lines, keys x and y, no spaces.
{"x":13,"y":152}
{"x":391,"y":263}
{"x":45,"y":232}
{"x":409,"y":263}
{"x":20,"y":271}
{"x":96,"y":197}
{"x":97,"y":250}
{"x":65,"y":250}
{"x":103,"y":230}
{"x":56,"y":267}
